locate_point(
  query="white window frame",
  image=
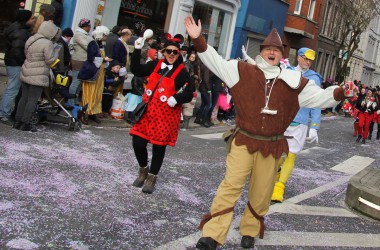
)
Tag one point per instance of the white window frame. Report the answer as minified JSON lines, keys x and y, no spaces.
{"x":298,"y":11}
{"x":310,"y":13}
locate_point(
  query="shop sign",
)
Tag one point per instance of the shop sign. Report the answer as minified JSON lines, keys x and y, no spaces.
{"x":140,"y":8}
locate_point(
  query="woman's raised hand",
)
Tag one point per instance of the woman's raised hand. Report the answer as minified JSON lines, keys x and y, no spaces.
{"x":192,"y":28}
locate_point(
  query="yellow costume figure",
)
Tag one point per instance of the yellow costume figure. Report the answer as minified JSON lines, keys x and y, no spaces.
{"x":298,"y":128}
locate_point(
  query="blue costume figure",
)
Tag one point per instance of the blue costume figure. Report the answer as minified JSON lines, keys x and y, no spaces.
{"x":298,"y":128}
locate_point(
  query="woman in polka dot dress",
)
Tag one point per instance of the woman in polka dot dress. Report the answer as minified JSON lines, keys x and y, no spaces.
{"x":160,"y":123}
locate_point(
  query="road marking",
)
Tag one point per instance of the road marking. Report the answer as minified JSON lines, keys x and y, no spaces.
{"x":314,"y":210}
{"x":215,"y":136}
{"x":293,"y":238}
{"x":353,"y":165}
{"x":315,"y":191}
{"x":315,"y":150}
{"x":278,"y":238}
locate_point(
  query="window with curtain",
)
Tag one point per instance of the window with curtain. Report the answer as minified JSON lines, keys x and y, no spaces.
{"x":297,"y":9}
{"x":310,"y":13}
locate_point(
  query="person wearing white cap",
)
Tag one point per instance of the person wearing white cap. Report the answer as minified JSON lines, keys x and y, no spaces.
{"x":298,"y":128}
{"x":267,"y":99}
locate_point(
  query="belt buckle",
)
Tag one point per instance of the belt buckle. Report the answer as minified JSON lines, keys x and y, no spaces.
{"x":274,"y":138}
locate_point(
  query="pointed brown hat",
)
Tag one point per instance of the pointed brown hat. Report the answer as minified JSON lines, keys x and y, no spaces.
{"x":273,"y":39}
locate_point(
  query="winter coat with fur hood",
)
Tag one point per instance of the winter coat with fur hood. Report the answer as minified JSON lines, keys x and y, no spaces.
{"x":40,"y":54}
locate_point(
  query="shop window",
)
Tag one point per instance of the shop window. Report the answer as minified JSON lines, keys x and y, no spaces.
{"x":140,"y":15}
{"x":7,"y":17}
{"x":215,"y":24}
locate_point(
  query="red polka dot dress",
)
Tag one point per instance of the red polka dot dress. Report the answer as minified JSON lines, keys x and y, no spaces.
{"x":160,"y":123}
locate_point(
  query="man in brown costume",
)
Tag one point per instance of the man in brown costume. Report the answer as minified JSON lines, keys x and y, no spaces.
{"x":267,"y":99}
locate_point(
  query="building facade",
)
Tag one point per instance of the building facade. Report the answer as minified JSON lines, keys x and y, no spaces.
{"x":164,"y":16}
{"x":256,"y":19}
{"x":370,"y":74}
{"x":301,"y":28}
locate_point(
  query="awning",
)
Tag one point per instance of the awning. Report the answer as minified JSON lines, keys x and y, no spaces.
{"x":300,"y":32}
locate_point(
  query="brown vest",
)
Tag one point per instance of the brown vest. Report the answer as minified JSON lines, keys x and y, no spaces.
{"x":249,"y":98}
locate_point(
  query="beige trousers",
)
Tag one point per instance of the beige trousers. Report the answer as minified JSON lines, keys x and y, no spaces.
{"x":240,"y":165}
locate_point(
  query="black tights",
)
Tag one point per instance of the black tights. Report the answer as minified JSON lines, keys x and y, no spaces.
{"x":141,"y":152}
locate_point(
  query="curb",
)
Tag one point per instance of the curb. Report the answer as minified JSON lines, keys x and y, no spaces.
{"x":363,"y":192}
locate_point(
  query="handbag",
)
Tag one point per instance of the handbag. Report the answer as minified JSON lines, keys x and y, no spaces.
{"x":140,"y":109}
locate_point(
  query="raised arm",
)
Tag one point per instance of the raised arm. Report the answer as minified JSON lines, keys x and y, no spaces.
{"x":226,"y":70}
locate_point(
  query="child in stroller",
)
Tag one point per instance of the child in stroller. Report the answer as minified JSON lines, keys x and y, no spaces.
{"x":57,"y":95}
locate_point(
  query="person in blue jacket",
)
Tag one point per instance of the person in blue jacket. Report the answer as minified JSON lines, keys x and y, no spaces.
{"x":298,"y":128}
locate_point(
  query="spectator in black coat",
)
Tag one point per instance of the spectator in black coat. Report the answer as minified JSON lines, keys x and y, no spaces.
{"x":64,"y":54}
{"x":112,"y":80}
{"x":15,"y":38}
{"x":58,"y":14}
{"x":111,"y":40}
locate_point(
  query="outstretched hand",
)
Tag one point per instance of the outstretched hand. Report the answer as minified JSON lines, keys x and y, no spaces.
{"x":192,"y":28}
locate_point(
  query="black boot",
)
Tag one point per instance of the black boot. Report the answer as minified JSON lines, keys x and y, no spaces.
{"x":17,"y":125}
{"x":247,"y":242}
{"x":28,"y":127}
{"x":369,"y":136}
{"x":206,"y":243}
{"x":149,"y":184}
{"x":198,"y":119}
{"x":95,"y":118}
{"x":82,"y":117}
{"x":143,"y":174}
{"x":359,"y":138}
{"x":363,"y":141}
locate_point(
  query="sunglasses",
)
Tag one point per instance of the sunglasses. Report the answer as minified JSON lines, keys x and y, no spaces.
{"x":174,"y":51}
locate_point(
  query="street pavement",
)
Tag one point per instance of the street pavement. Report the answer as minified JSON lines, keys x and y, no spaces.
{"x":61,"y":189}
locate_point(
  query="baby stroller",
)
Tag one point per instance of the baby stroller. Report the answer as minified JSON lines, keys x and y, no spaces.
{"x":57,"y":95}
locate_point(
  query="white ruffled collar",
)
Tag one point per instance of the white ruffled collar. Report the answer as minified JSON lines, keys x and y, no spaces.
{"x":291,"y":77}
{"x":270,"y":71}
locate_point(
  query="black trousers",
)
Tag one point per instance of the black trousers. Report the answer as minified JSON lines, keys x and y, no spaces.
{"x":28,"y":102}
{"x":141,"y":153}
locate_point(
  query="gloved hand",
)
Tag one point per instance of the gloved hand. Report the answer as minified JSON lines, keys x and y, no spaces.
{"x":313,"y":135}
{"x":246,"y":57}
{"x":171,"y":101}
{"x":139,"y":43}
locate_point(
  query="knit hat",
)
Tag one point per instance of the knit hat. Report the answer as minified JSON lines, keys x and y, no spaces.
{"x":115,"y":29}
{"x":23,"y":15}
{"x":67,"y":32}
{"x":113,"y":63}
{"x":185,"y":48}
{"x":151,"y":53}
{"x":47,"y":10}
{"x":84,"y":22}
{"x":273,"y":39}
{"x":306,"y":52}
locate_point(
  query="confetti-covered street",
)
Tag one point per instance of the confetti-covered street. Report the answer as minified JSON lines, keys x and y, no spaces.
{"x":72,"y":190}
